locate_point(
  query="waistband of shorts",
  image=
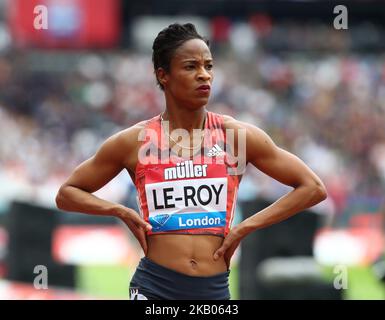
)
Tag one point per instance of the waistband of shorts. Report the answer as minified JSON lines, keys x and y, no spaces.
{"x":148,"y":264}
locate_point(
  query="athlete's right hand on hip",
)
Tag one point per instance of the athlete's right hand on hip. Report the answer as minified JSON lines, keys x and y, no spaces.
{"x":137,"y":225}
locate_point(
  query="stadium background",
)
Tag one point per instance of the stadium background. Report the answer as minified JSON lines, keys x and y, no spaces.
{"x":281,"y":65}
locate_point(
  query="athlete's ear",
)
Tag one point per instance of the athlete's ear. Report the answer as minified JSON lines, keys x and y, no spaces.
{"x":162,"y":76}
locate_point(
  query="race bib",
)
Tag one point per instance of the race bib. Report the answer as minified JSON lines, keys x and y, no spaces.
{"x":186,"y":196}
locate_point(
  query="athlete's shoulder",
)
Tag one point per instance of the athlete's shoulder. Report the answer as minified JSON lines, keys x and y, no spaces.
{"x":130,"y":133}
{"x":133,"y":131}
{"x":228,"y":119}
{"x":130,"y":137}
{"x":230,"y":122}
{"x":254,"y":135}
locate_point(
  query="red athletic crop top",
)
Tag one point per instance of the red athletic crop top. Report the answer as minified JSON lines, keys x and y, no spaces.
{"x":191,"y":196}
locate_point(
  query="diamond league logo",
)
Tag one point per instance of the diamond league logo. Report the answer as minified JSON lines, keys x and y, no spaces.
{"x":161,"y":219}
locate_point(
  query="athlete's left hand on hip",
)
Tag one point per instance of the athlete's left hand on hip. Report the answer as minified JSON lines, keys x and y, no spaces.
{"x":229,"y":245}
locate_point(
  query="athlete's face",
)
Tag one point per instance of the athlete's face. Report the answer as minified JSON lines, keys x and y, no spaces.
{"x":191,"y":74}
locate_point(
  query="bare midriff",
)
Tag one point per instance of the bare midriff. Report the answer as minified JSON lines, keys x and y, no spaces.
{"x":184,"y":253}
{"x":188,"y":254}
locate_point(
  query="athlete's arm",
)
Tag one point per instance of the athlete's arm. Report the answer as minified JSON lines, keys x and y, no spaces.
{"x":76,"y":193}
{"x":264,"y":154}
{"x":308,"y":189}
{"x":91,"y":175}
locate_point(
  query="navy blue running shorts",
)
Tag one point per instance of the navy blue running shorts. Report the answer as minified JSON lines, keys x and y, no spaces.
{"x":152,"y":281}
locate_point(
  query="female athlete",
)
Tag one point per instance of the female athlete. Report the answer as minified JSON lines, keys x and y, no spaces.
{"x":187,"y":163}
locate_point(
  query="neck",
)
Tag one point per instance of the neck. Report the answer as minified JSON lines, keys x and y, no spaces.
{"x":185,"y":119}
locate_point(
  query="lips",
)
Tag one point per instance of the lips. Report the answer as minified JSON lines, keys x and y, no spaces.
{"x":204,"y":87}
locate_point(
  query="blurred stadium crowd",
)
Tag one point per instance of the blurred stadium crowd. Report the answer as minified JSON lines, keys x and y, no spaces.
{"x":320,"y":100}
{"x":280,"y":65}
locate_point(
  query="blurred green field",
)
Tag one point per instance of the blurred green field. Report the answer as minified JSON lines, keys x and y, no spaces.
{"x":362,"y":284}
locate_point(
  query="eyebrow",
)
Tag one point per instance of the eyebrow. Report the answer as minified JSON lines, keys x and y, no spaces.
{"x":195,"y":61}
